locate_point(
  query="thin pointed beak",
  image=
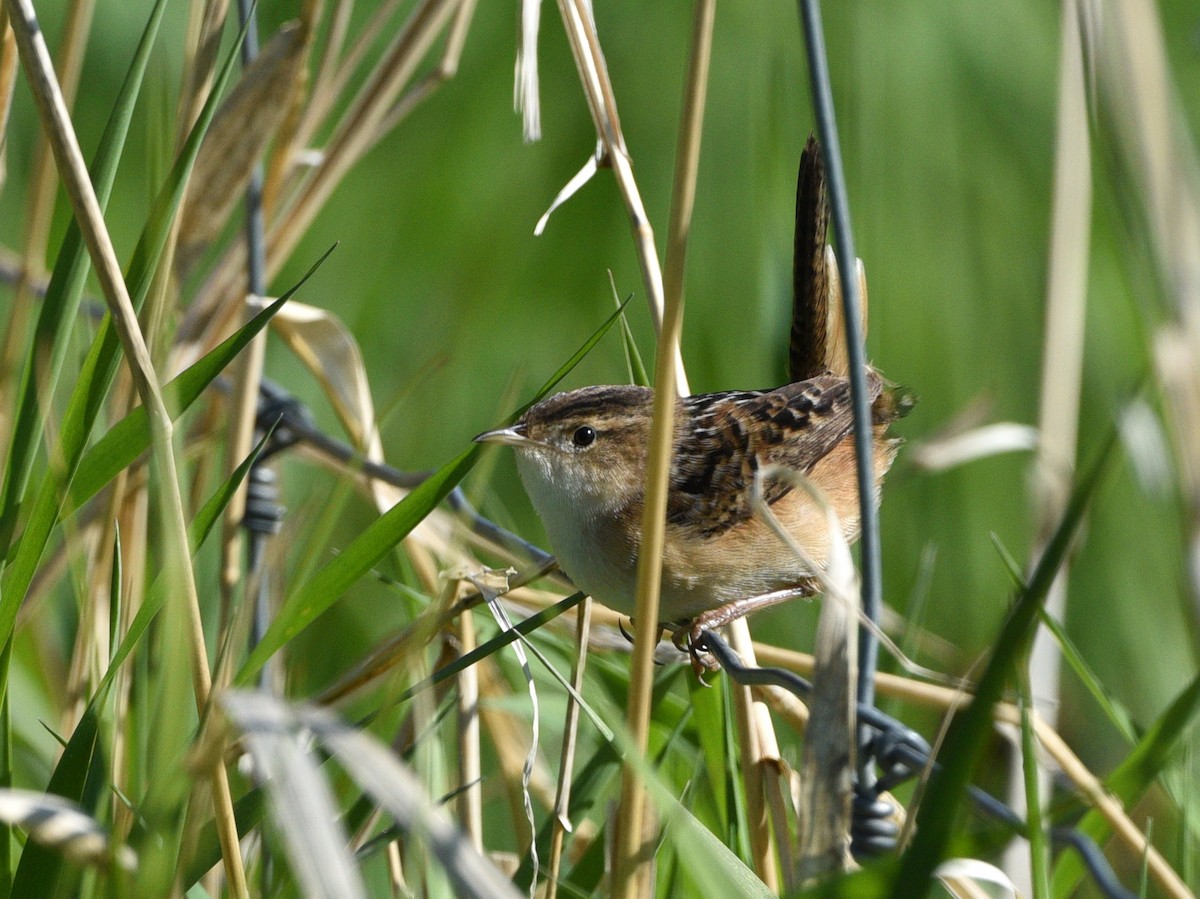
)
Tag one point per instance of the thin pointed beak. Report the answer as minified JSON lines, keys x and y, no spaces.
{"x":514,"y":436}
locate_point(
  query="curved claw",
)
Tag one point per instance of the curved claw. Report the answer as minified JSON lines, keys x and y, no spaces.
{"x":687,"y":638}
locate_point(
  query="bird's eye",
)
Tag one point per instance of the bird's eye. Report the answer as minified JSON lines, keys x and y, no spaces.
{"x":584,"y":436}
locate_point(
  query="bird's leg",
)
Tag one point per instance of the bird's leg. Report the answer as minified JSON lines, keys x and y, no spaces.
{"x":686,"y":636}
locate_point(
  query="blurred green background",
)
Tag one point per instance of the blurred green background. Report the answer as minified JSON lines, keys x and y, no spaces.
{"x":946,"y":115}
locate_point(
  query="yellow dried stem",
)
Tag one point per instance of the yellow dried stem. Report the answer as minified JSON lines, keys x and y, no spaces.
{"x":470,"y":769}
{"x":759,"y":752}
{"x":282,"y":160}
{"x":205,"y":24}
{"x":335,"y":73}
{"x":446,"y":68}
{"x":8,"y":80}
{"x":630,"y":868}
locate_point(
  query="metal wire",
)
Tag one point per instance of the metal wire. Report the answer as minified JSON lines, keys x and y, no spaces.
{"x":843,"y":236}
{"x":901,"y":754}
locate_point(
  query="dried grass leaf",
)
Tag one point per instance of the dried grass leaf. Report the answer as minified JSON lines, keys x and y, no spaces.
{"x":302,"y":804}
{"x":239,"y":134}
{"x":829,"y":746}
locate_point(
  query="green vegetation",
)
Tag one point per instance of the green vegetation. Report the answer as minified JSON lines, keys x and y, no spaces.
{"x":445,"y":313}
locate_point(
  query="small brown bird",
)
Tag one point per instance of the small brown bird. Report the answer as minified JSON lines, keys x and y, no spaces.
{"x":582,"y":458}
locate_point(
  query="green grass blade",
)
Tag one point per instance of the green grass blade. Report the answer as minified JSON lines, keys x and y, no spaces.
{"x":123,"y":443}
{"x":968,"y":733}
{"x":248,"y":810}
{"x":494,"y":645}
{"x":6,"y":775}
{"x":1112,"y":708}
{"x":712,"y":730}
{"x":326,"y":587}
{"x":633,"y":358}
{"x":115,"y":592}
{"x":40,"y":867}
{"x":64,"y":293}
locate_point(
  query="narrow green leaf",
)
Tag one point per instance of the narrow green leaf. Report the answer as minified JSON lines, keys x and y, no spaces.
{"x":114,"y":594}
{"x":593,"y":783}
{"x":119,"y":447}
{"x":325,"y":587}
{"x":711,"y":726}
{"x":633,"y":358}
{"x":40,"y":867}
{"x":6,"y":775}
{"x":713,"y":869}
{"x":494,"y":645}
{"x":248,"y":811}
{"x":968,"y":733}
{"x":1112,"y":708}
{"x":64,"y":293}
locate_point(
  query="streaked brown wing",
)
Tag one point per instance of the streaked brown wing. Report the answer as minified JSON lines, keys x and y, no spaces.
{"x":725,"y":436}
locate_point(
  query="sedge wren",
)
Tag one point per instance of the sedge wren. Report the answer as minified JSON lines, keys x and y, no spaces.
{"x":582,"y":458}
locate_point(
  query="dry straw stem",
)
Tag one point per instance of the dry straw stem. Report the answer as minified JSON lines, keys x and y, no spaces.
{"x":396,"y":648}
{"x":1062,"y":354}
{"x":286,"y":145}
{"x":628,"y":871}
{"x":240,"y":438}
{"x":205,"y":27}
{"x":597,"y":89}
{"x":446,"y":68}
{"x":511,"y":738}
{"x":334,"y":73}
{"x":56,"y":122}
{"x":353,"y":136}
{"x":470,"y":770}
{"x":948,"y":700}
{"x":759,"y":759}
{"x":829,"y":744}
{"x":8,"y":80}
